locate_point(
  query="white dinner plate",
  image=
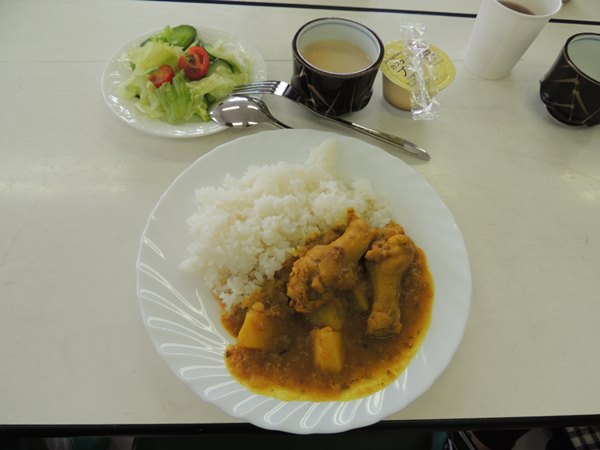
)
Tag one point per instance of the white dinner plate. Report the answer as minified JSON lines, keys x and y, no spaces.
{"x":118,"y":71}
{"x":183,"y":319}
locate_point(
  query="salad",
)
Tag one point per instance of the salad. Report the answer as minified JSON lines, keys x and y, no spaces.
{"x":177,"y":77}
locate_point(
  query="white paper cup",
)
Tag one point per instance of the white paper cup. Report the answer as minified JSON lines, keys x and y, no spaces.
{"x":501,"y":35}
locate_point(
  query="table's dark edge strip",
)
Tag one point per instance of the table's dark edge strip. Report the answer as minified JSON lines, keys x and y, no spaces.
{"x":446,"y":425}
{"x":363,"y":9}
{"x":323,"y":7}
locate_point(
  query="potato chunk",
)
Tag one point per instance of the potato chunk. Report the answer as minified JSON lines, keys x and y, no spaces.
{"x":258,"y":329}
{"x":331,"y":314}
{"x":328,"y":349}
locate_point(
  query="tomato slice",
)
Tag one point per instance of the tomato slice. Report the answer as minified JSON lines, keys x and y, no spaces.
{"x":195,"y":62}
{"x":164,"y":74}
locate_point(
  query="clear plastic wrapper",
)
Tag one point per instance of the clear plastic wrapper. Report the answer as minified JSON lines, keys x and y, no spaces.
{"x":421,"y":72}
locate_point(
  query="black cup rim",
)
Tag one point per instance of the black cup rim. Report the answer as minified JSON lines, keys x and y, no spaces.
{"x":373,"y":67}
{"x":565,"y":51}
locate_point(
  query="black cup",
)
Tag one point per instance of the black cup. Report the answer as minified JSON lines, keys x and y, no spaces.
{"x":571,"y":88}
{"x":328,"y":91}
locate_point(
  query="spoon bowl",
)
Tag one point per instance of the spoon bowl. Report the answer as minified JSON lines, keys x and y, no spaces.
{"x":242,"y":112}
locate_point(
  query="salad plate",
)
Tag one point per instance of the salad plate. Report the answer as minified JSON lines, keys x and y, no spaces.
{"x":118,"y":70}
{"x":183,"y":318}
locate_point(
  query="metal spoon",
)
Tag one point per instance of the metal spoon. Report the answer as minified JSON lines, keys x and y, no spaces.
{"x":241,"y":112}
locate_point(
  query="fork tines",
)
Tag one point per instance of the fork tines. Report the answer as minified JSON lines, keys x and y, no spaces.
{"x":260,"y":87}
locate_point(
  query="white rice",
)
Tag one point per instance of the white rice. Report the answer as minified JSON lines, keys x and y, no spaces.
{"x":245,"y":230}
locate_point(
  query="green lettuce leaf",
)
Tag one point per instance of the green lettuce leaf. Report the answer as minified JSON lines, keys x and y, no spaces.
{"x":175,"y":100}
{"x":214,"y":88}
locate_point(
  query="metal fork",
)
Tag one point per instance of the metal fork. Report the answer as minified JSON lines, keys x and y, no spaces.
{"x":284,"y":89}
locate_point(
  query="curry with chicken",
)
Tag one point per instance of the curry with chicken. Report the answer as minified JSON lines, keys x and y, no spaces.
{"x":340,"y":320}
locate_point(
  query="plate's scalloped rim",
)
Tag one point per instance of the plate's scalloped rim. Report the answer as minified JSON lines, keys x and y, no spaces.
{"x":187,"y":333}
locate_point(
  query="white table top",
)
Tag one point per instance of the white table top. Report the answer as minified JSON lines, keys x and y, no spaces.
{"x":571,"y":10}
{"x":77,"y":185}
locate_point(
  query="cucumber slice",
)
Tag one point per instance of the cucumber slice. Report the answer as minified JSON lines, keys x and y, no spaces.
{"x":214,"y":64}
{"x":183,"y":36}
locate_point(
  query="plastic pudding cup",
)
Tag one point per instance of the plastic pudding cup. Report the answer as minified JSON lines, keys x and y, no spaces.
{"x":396,"y":82}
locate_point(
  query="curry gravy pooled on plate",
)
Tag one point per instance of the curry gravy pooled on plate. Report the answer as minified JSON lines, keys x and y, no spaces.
{"x":330,"y":299}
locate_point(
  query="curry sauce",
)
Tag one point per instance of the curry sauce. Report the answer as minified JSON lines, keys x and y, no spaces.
{"x":284,"y":365}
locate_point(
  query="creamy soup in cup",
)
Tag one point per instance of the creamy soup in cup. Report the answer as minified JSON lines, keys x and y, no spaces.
{"x":335,"y":64}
